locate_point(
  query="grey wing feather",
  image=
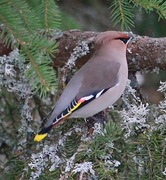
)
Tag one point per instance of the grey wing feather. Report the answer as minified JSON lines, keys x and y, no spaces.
{"x":86,"y":81}
{"x":103,"y":77}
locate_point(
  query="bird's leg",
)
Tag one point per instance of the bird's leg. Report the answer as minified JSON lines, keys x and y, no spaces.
{"x":100,"y":118}
{"x":134,"y":84}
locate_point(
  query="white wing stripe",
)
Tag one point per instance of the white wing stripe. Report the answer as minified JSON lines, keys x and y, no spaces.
{"x":86,"y":98}
{"x":99,"y":94}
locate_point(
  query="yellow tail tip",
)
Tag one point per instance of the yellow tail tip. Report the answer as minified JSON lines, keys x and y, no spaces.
{"x":39,"y":137}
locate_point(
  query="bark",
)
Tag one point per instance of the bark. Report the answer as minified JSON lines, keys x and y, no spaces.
{"x":144,"y":53}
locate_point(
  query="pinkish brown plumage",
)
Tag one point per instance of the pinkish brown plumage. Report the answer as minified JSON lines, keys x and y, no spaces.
{"x":97,"y":85}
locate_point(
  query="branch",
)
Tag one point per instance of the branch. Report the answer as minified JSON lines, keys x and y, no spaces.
{"x":144,"y":53}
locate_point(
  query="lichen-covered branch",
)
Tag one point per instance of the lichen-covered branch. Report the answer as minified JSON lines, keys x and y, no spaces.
{"x":147,"y":54}
{"x":144,"y":53}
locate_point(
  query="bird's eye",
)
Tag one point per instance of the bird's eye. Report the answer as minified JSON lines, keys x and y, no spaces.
{"x":124,"y":40}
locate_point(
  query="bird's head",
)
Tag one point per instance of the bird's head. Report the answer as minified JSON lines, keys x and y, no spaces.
{"x":114,"y":38}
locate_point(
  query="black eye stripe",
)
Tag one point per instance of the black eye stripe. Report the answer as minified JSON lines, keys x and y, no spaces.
{"x":124,"y":40}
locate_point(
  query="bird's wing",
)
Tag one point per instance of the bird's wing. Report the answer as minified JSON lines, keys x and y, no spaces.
{"x":104,"y":75}
{"x":90,"y":82}
{"x":93,"y":86}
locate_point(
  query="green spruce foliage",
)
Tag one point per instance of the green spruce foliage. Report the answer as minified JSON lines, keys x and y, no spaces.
{"x":26,"y":25}
{"x":123,"y":10}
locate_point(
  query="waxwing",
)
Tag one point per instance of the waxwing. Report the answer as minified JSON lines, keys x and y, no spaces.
{"x":97,"y":85}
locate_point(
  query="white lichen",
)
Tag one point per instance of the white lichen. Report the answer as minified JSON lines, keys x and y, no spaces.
{"x":80,"y":50}
{"x":39,"y":161}
{"x":12,"y":68}
{"x":14,"y":81}
{"x":160,"y":122}
{"x":84,"y":167}
{"x":129,"y":92}
{"x":70,"y":163}
{"x":134,"y":118}
{"x":156,"y":70}
{"x":98,"y":129}
{"x":162,"y":87}
{"x":110,"y":163}
{"x":9,"y":70}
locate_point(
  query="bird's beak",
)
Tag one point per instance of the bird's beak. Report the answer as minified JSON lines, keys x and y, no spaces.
{"x":39,"y":137}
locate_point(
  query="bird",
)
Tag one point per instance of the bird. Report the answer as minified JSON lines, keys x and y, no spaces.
{"x":98,"y":84}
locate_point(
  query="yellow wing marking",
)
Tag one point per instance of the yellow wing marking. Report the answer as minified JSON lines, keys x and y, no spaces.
{"x":72,"y":109}
{"x":76,"y":106}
